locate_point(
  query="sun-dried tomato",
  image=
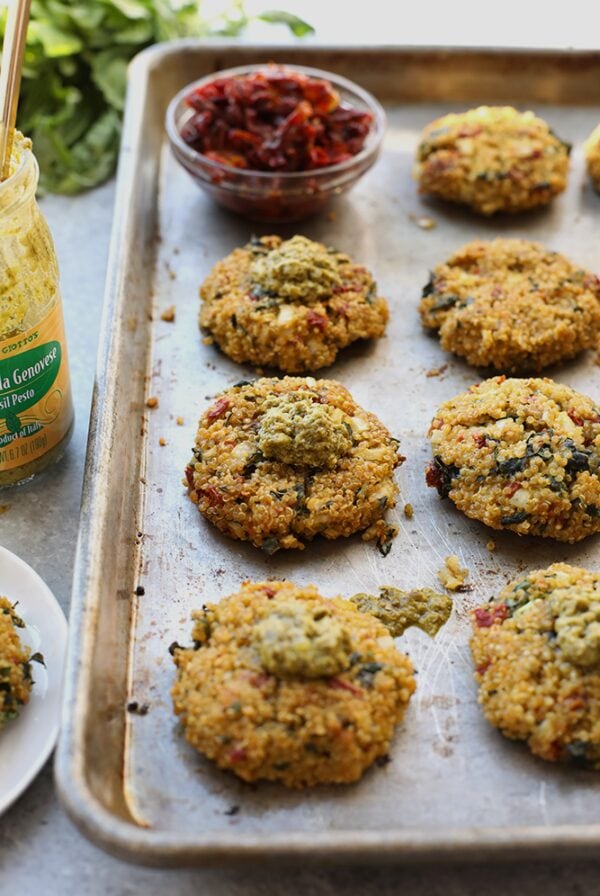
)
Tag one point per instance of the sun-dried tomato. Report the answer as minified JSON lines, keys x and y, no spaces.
{"x":314,"y":319}
{"x":485,"y":618}
{"x":339,"y":684}
{"x":218,"y":409}
{"x":212,"y":495}
{"x":275,"y":119}
{"x":239,"y":754}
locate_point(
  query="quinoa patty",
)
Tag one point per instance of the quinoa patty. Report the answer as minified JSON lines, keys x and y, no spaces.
{"x":493,"y":159}
{"x":536,"y":651}
{"x":15,"y":667}
{"x":285,"y":685}
{"x":512,"y":305}
{"x":520,"y":454}
{"x":289,"y":304}
{"x":592,"y":157}
{"x":278,"y":461}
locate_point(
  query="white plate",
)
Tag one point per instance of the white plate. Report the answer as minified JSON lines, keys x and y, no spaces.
{"x":26,"y":742}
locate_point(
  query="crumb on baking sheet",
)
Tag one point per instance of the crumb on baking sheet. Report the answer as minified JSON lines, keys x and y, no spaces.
{"x":409,"y":511}
{"x":491,"y":545}
{"x":423,"y":221}
{"x":152,"y":402}
{"x":436,"y":371}
{"x":138,"y":709}
{"x":452,"y":575}
{"x":162,"y":442}
{"x":4,"y":508}
{"x":168,"y":314}
{"x":180,"y":421}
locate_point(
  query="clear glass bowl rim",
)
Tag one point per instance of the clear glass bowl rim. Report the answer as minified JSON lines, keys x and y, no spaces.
{"x":194,"y":157}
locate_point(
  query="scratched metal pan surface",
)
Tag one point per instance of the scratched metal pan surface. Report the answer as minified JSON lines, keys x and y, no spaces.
{"x":454,"y":788}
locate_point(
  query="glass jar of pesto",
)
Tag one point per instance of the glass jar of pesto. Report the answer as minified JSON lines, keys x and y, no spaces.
{"x":36,"y":408}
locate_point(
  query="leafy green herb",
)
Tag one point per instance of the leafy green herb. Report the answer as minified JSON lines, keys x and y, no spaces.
{"x":521,"y":596}
{"x":514,"y":518}
{"x":556,"y":485}
{"x":445,"y":302}
{"x":510,"y":466}
{"x":384,"y":545}
{"x":367,"y":673}
{"x":429,"y":287}
{"x":300,"y":489}
{"x":441,"y":474}
{"x":298,"y":27}
{"x":577,"y":752}
{"x":371,"y":294}
{"x":579,"y":460}
{"x":75,"y":71}
{"x":173,"y":646}
{"x":252,"y":463}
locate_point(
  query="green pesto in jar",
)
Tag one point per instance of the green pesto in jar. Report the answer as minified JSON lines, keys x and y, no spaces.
{"x":36,"y":411}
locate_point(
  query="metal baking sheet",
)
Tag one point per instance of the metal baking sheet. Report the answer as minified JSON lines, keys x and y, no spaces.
{"x":455,"y":788}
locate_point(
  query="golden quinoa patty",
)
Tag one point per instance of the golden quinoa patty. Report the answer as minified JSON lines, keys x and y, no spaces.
{"x":592,"y":157}
{"x":520,"y":454}
{"x":278,"y":461}
{"x":15,"y":667}
{"x":536,"y":651}
{"x":289,"y":304}
{"x":493,"y":159}
{"x":254,"y":696}
{"x":513,"y":305}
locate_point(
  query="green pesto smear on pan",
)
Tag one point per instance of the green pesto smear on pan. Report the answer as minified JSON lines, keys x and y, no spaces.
{"x":399,"y":610}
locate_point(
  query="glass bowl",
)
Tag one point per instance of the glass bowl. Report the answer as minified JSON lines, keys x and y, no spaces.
{"x":279,"y":196}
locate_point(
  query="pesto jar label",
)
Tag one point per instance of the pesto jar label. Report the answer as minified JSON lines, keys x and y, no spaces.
{"x":35,"y":399}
